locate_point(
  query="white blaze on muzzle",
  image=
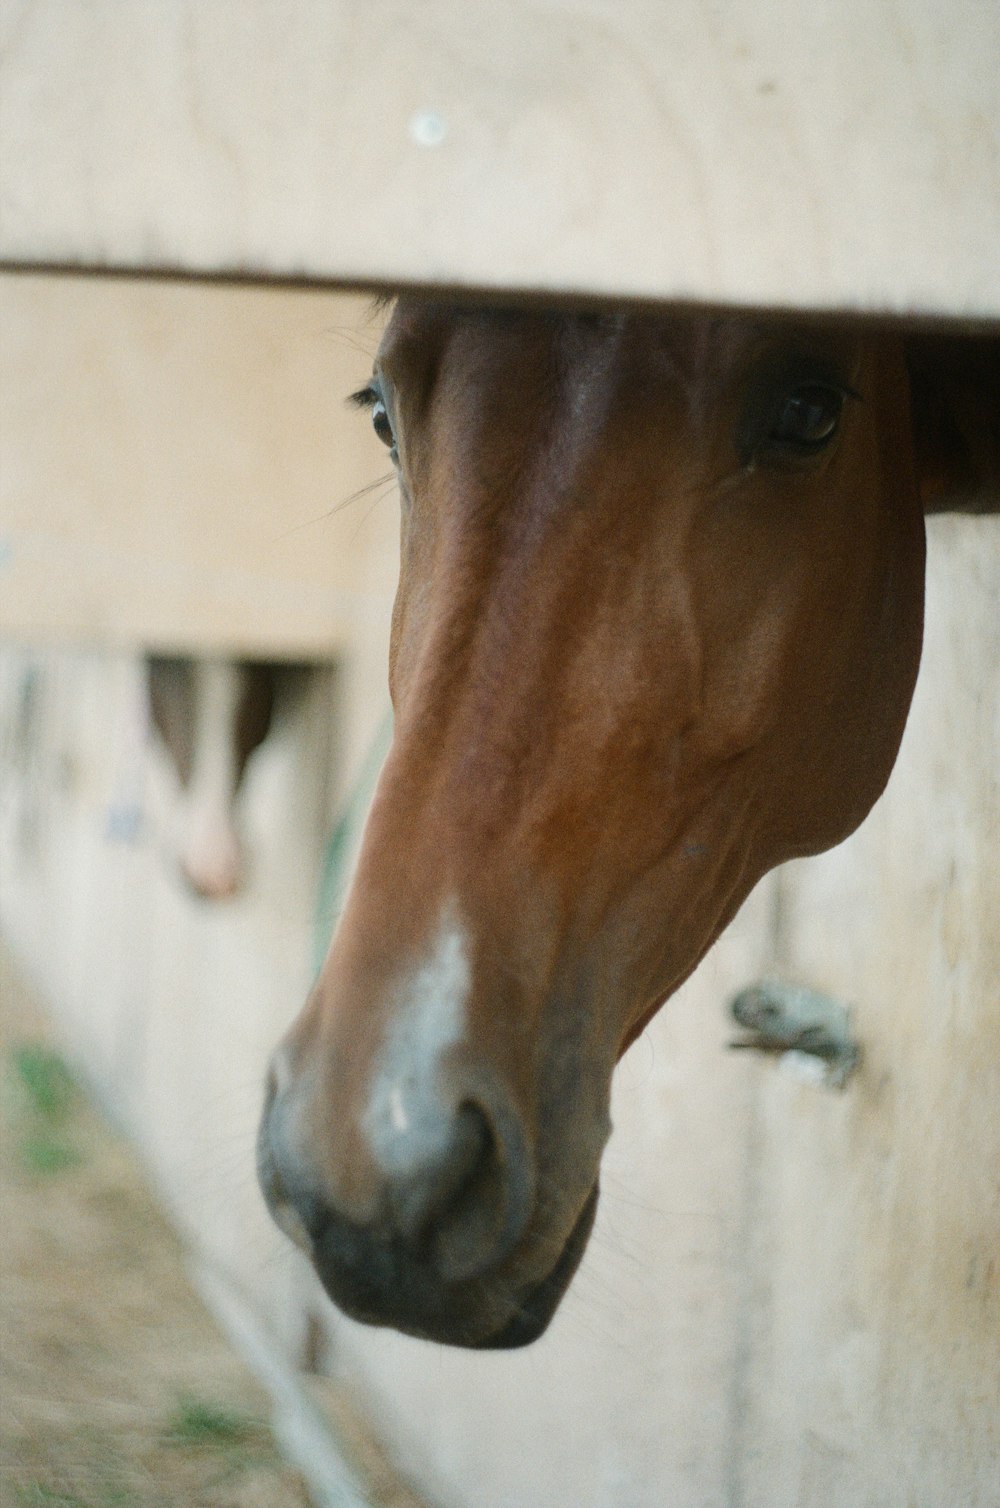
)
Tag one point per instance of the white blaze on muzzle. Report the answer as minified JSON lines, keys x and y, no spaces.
{"x":407,"y":1122}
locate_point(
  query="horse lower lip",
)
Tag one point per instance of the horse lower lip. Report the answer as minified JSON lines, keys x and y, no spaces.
{"x":540,"y":1304}
{"x":428,"y":1318}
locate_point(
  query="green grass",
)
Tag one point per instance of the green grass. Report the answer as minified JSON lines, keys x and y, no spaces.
{"x":235,"y":1442}
{"x":197,"y":1423}
{"x":44,"y":1081}
{"x":41,"y":1107}
{"x":35,"y":1495}
{"x":41,"y":1153}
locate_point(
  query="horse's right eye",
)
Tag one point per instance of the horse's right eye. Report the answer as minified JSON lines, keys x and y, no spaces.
{"x":809,"y":418}
{"x":382,"y":424}
{"x":793,"y":410}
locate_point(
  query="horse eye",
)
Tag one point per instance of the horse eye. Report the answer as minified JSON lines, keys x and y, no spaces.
{"x":809,"y":418}
{"x":382,"y":424}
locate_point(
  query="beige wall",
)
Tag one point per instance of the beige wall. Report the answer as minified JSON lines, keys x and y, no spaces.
{"x":788,"y":153}
{"x":876,"y":1237}
{"x":176,"y":467}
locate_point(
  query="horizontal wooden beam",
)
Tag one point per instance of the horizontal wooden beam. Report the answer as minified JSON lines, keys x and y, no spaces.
{"x":786,"y":153}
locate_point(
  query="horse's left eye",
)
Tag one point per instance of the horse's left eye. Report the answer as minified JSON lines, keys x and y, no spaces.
{"x":809,"y":418}
{"x":382,"y":424}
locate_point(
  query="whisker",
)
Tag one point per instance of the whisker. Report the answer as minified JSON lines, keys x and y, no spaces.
{"x":309,"y":523}
{"x":364,"y":342}
{"x":374,"y":504}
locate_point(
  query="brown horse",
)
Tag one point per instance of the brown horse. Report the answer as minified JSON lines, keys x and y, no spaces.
{"x":658,"y":624}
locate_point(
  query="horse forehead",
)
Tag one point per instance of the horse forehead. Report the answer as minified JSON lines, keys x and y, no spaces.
{"x":533,"y":409}
{"x":685,"y":345}
{"x":479,"y":345}
{"x":552,"y":391}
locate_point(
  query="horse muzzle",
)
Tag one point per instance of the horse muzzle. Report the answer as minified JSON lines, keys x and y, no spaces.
{"x":446,"y":1246}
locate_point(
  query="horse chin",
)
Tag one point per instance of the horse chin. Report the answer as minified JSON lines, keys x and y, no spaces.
{"x":539,"y":1304}
{"x":528,"y":1310}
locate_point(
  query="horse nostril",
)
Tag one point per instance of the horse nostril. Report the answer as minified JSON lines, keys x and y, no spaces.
{"x":470,"y":1230}
{"x":429,"y":1199}
{"x":456,"y":1199}
{"x":440,"y":1189}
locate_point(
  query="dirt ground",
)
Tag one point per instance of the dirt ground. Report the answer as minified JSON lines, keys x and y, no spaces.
{"x":117,"y":1387}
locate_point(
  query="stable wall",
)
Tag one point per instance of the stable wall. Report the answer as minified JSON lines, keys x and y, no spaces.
{"x":792,"y":1297}
{"x":181,"y":469}
{"x":875,"y":1243}
{"x":181,"y":472}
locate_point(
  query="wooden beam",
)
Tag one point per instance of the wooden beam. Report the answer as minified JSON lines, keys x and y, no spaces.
{"x":791,"y":153}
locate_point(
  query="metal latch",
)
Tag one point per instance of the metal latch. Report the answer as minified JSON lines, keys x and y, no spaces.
{"x":811,"y":1032}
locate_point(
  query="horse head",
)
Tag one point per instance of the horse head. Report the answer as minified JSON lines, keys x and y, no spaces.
{"x":658,"y":624}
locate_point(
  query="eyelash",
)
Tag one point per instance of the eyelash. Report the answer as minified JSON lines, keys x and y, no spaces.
{"x":366,"y":397}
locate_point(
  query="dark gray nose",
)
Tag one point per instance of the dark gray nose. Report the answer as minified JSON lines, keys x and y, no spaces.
{"x":447,"y":1201}
{"x":452,"y":1187}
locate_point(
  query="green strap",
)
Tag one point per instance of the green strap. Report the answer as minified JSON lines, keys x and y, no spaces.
{"x":342,"y":847}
